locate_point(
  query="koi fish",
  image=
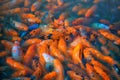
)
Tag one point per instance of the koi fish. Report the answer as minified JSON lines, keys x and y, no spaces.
{"x":17,"y":53}
{"x":91,"y":72}
{"x":7,"y":44}
{"x":30,"y":53}
{"x":20,"y":26}
{"x":19,"y":73}
{"x":58,"y":68}
{"x":35,"y":32}
{"x":60,"y":2}
{"x":56,"y":53}
{"x":62,"y":46}
{"x":90,"y":11}
{"x":11,"y":32}
{"x":30,"y":42}
{"x":3,"y":53}
{"x":17,"y":65}
{"x":101,"y":73}
{"x":108,"y":35}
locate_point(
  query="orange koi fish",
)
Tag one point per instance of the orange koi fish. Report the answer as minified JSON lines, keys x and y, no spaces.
{"x":80,"y":40}
{"x":20,"y":26}
{"x":27,"y":15}
{"x":62,"y":46}
{"x":96,"y":63}
{"x":77,"y":55}
{"x":17,"y":66}
{"x":58,"y":67}
{"x":56,"y":53}
{"x":30,"y":53}
{"x":90,"y":11}
{"x":50,"y":76}
{"x":19,"y":73}
{"x":7,"y":44}
{"x":41,"y":50}
{"x":117,"y":42}
{"x":37,"y":73}
{"x":101,"y":73}
{"x":82,"y":11}
{"x":60,"y":2}
{"x":10,"y":32}
{"x":108,"y":35}
{"x":35,"y":32}
{"x":30,"y":42}
{"x":100,"y":56}
{"x":3,"y":53}
{"x":91,"y":72}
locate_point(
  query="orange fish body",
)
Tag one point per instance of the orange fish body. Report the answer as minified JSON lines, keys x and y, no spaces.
{"x":101,"y":73}
{"x":3,"y":53}
{"x":56,"y":53}
{"x":91,"y":72}
{"x":35,"y":32}
{"x":30,"y":53}
{"x":20,"y":26}
{"x":31,"y":41}
{"x":11,"y":32}
{"x":16,"y":39}
{"x":37,"y":73}
{"x":27,"y":15}
{"x":117,"y":42}
{"x":82,"y":11}
{"x":62,"y":46}
{"x":19,"y":73}
{"x":7,"y":44}
{"x":42,"y":49}
{"x":100,"y":56}
{"x":50,"y":76}
{"x":108,"y":35}
{"x":95,"y":62}
{"x":60,"y":2}
{"x":17,"y":66}
{"x":90,"y":11}
{"x":76,"y":54}
{"x":58,"y":67}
